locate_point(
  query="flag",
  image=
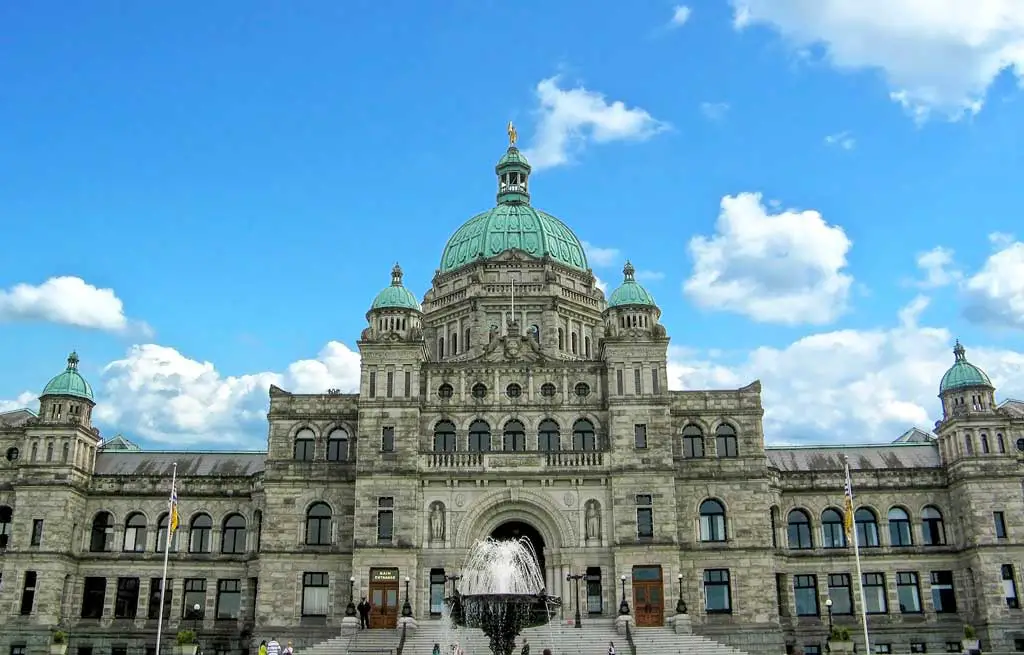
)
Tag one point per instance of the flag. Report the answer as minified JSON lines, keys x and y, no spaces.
{"x":174,"y":513}
{"x":848,"y":516}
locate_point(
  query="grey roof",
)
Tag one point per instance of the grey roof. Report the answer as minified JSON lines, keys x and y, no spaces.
{"x":15,"y":418}
{"x":825,"y":458}
{"x":190,"y":464}
{"x":1014,"y":408}
{"x":118,"y":442}
{"x":915,"y":435}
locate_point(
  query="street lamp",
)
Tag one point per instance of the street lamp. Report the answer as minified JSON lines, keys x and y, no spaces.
{"x":453,"y":579}
{"x":350,"y":609}
{"x":196,"y":610}
{"x":680,"y":604}
{"x":575,"y":578}
{"x":407,"y":606}
{"x":623,"y":606}
{"x":828,"y":606}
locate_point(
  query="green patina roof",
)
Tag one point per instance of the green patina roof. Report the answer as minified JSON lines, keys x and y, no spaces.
{"x":963,"y":373}
{"x":630,"y":292}
{"x":69,"y":383}
{"x":513,"y":224}
{"x":395,"y":296}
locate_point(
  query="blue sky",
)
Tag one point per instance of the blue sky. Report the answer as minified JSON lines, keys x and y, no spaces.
{"x":203,"y":199}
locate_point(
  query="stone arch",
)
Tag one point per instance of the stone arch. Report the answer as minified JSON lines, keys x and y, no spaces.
{"x":300,"y":425}
{"x":720,"y":421}
{"x":310,"y":498}
{"x":340,"y":425}
{"x":697,"y":422}
{"x":516,"y":504}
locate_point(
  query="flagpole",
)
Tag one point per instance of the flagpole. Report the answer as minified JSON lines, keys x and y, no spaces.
{"x":167,"y":553}
{"x":513,"y":299}
{"x":856,"y":554}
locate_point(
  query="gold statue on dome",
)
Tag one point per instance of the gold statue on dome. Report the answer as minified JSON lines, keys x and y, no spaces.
{"x":513,"y":136}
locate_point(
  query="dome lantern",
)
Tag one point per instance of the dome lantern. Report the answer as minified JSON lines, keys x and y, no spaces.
{"x":69,"y":383}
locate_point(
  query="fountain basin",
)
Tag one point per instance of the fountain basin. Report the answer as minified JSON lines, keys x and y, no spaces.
{"x":500,"y":616}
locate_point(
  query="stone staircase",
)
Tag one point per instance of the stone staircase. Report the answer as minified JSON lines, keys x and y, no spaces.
{"x":664,"y":641}
{"x":363,"y":642}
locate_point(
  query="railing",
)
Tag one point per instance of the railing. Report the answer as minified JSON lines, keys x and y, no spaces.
{"x":401,"y":642}
{"x":629,"y":639}
{"x":515,"y":459}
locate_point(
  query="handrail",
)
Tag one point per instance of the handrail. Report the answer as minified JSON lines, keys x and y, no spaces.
{"x":401,"y":642}
{"x":629,"y":639}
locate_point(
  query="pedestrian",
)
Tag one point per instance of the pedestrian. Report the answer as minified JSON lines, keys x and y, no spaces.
{"x":547,"y":651}
{"x":437,"y":649}
{"x":611,"y":648}
{"x":288,"y":650}
{"x":263,"y":647}
{"x":526,"y":647}
{"x":364,"y":613}
{"x":273,"y":647}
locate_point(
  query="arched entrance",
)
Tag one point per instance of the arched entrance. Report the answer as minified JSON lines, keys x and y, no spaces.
{"x":518,"y":530}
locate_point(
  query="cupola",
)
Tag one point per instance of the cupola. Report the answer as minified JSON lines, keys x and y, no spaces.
{"x":965,"y":388}
{"x":67,"y":397}
{"x":631,"y":308}
{"x":395,"y":310}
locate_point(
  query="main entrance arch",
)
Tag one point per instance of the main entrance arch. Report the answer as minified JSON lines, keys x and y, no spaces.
{"x":515,"y":529}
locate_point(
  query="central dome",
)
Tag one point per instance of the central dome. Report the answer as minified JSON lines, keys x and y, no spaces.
{"x":513,"y":224}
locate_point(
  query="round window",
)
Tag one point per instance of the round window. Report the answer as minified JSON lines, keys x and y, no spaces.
{"x":582,"y":389}
{"x":514,"y":390}
{"x":12,"y":454}
{"x":479,"y":390}
{"x":547,"y":389}
{"x":445,"y":390}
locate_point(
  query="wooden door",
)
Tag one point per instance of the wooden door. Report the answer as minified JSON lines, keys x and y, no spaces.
{"x":648,"y":597}
{"x":383,"y":598}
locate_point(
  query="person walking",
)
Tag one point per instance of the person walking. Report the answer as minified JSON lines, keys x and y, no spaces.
{"x":364,"y":613}
{"x":273,"y":647}
{"x":437,"y":649}
{"x":263,"y":648}
{"x":611,"y":648}
{"x":526,"y":647}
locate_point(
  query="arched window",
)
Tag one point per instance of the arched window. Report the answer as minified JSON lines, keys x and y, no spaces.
{"x":444,"y":437}
{"x":6,"y":516}
{"x":232,"y":539}
{"x":725,"y":441}
{"x":102,"y":534}
{"x":479,"y":436}
{"x":583,"y":437}
{"x":899,"y":528}
{"x":693,"y":442}
{"x":712,"y":521}
{"x":798,"y":529}
{"x":49,"y":452}
{"x":337,"y":445}
{"x":305,"y":445}
{"x":586,"y":347}
{"x":548,"y":436}
{"x":867,"y":528}
{"x":984,"y":444}
{"x":318,"y":525}
{"x":199,"y":534}
{"x":832,"y":533}
{"x":454,"y":349}
{"x":161,"y":536}
{"x":135,"y":533}
{"x":1001,"y":443}
{"x":561,"y":339}
{"x":573,"y":336}
{"x":440,"y":347}
{"x":514,"y":436}
{"x":465,"y":340}
{"x":933,"y":528}
{"x":65,"y":451}
{"x":34,"y":452}
{"x":535,"y":332}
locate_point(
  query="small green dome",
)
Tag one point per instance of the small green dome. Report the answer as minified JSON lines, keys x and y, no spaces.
{"x":963,"y":374}
{"x":395,"y":296}
{"x":630,"y":292}
{"x":513,"y":156}
{"x":69,"y":383}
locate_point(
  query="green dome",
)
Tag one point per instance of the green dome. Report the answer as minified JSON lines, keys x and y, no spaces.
{"x":630,"y":292}
{"x":963,"y":374}
{"x":395,"y":296}
{"x":69,"y":383}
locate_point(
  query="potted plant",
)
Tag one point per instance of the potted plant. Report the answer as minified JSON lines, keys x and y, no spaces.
{"x":970,"y":642}
{"x":59,"y":643}
{"x":839,"y":640}
{"x":187,"y":642}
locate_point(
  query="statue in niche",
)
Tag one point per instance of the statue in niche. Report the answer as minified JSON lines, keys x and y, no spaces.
{"x":593,"y":518}
{"x":437,"y":522}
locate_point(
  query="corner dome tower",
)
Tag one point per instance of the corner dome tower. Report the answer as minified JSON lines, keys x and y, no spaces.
{"x":631,"y":308}
{"x":965,"y":388}
{"x":395,"y":296}
{"x":395,"y":312}
{"x":68,"y":397}
{"x":69,"y":383}
{"x":630,"y":292}
{"x":513,"y":224}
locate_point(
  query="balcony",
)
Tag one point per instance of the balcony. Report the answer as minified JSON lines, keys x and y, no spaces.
{"x":519,"y":460}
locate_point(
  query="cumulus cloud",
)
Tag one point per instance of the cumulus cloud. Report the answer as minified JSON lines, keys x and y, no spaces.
{"x":937,"y":56}
{"x":782,"y":268}
{"x":938,"y":267}
{"x":67,"y":300}
{"x":601,"y":257}
{"x":714,"y":111}
{"x":847,"y":386}
{"x":995,"y":294}
{"x":21,"y":401}
{"x":842,"y":140}
{"x":569,"y":119}
{"x":680,"y":15}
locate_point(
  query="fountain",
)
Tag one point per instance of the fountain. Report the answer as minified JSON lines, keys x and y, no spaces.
{"x":502,"y":592}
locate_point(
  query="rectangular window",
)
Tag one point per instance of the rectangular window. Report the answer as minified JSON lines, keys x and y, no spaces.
{"x":37,"y":532}
{"x":640,"y":435}
{"x":408,"y":384}
{"x":437,"y":591}
{"x":918,"y":647}
{"x":908,"y":592}
{"x":693,"y":445}
{"x":154,"y":599}
{"x":385,"y":520}
{"x":373,"y":384}
{"x":387,"y":439}
{"x":839,"y":592}
{"x":315,"y":594}
{"x":943,"y":594}
{"x":875,"y":601}
{"x":655,"y":380}
{"x":717,"y":594}
{"x":94,"y":594}
{"x":390,"y":388}
{"x":954,"y":647}
{"x":595,"y":604}
{"x":118,"y":650}
{"x":194,"y":597}
{"x":644,"y":516}
{"x":1010,"y":586}
{"x":882,"y":649}
{"x":812,"y":649}
{"x":618,"y":382}
{"x":805,"y":594}
{"x":28,"y":593}
{"x":726,"y":445}
{"x":126,"y":602}
{"x":1000,"y":520}
{"x":229,"y":599}
{"x":638,"y":382}
{"x":18,"y":649}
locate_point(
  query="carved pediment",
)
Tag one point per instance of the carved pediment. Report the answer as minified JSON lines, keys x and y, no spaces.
{"x":513,"y":349}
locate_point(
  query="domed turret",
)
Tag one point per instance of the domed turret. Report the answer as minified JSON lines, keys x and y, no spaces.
{"x":631,"y":308}
{"x":395,"y":296}
{"x":395,"y":311}
{"x":630,"y":292}
{"x":965,"y":388}
{"x":69,"y":383}
{"x":67,"y":397}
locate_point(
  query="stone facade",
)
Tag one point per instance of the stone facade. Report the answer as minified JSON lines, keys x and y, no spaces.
{"x":515,"y":401}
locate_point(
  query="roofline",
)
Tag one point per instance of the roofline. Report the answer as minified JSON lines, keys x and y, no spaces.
{"x":21,"y":409}
{"x":192,"y":452}
{"x":896,"y":444}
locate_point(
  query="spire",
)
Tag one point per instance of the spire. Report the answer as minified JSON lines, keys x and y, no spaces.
{"x":513,"y":172}
{"x":396,"y":275}
{"x":73,"y":361}
{"x":959,"y":353}
{"x":628,"y":272}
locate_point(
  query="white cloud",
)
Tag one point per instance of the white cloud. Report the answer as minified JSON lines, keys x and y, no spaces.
{"x":569,"y":118}
{"x":936,"y":55}
{"x":601,"y":257}
{"x":939,"y":268}
{"x":776,"y":268}
{"x":851,"y":386}
{"x":995,"y":294}
{"x":714,"y":111}
{"x":601,"y":284}
{"x":67,"y":300}
{"x":158,"y":393}
{"x":680,"y":14}
{"x":21,"y":401}
{"x":843,"y":140}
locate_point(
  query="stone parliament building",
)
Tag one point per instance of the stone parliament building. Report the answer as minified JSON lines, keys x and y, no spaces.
{"x":514,"y":400}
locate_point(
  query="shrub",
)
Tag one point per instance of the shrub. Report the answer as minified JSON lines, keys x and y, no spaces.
{"x":969,"y":632}
{"x":839,"y":633}
{"x":186,"y":637}
{"x":60,"y":637}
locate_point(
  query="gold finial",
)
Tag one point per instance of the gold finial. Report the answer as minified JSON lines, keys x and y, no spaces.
{"x":513,"y":136}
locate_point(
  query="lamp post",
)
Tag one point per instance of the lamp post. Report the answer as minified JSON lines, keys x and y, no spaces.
{"x":828,"y":607}
{"x":350,"y":609}
{"x":407,"y":606}
{"x":680,"y":604}
{"x":575,"y":578}
{"x":623,"y":606}
{"x":453,"y":579}
{"x":196,"y":610}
